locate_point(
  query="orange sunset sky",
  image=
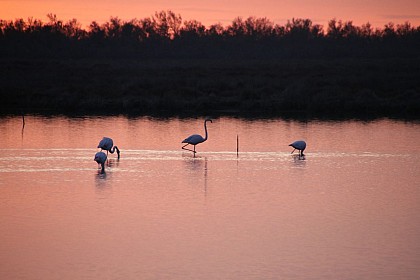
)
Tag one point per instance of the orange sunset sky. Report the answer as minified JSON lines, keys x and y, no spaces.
{"x":377,"y":12}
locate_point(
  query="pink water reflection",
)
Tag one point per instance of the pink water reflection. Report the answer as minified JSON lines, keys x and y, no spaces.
{"x":257,"y":135}
{"x":349,"y":211}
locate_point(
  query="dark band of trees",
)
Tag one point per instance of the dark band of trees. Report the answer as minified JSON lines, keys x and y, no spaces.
{"x":166,"y":35}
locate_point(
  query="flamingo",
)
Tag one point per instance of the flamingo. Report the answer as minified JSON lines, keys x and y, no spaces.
{"x":107,"y":145}
{"x":100,"y":158}
{"x":195,"y":138}
{"x":299,"y":145}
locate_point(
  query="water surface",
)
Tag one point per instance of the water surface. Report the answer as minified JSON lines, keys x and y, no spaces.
{"x":348,"y":210}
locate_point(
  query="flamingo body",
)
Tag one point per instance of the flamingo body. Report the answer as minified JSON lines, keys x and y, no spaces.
{"x":100,"y":158}
{"x":196,"y":138}
{"x":107,"y":145}
{"x":299,"y":145}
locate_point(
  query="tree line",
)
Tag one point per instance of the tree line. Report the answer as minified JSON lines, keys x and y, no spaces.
{"x":166,"y":35}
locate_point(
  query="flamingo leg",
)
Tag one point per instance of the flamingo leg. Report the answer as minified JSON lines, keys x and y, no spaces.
{"x":293,"y":151}
{"x":183,"y":147}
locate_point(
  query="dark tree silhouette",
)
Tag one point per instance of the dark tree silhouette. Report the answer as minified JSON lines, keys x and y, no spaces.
{"x":163,"y":63}
{"x":167,"y":24}
{"x":164,"y":34}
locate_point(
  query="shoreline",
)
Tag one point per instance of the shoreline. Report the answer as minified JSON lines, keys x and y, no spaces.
{"x":297,"y":88}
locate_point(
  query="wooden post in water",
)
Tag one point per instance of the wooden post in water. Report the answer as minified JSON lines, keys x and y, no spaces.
{"x":237,"y":145}
{"x":23,"y":123}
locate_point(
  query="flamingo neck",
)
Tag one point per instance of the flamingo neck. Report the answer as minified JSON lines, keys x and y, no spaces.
{"x":112,"y":150}
{"x":205,"y":129}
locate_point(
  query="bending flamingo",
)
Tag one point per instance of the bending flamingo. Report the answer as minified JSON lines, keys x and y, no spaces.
{"x":108,"y":145}
{"x":100,"y":158}
{"x":299,"y":145}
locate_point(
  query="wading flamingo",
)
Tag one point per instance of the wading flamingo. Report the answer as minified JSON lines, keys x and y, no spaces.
{"x":195,"y":138}
{"x":100,"y":158}
{"x":299,"y":145}
{"x":108,"y":145}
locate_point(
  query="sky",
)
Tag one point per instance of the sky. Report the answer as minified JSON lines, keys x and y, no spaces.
{"x":376,"y":12}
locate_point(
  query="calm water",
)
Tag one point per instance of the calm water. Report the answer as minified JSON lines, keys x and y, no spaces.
{"x":349,"y":210}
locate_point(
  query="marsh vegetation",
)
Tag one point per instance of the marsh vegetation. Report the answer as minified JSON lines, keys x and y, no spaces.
{"x":161,"y":65}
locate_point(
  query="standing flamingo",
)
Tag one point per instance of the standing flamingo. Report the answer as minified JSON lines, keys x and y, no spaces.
{"x":107,"y":145}
{"x":299,"y":145}
{"x":195,"y":138}
{"x":100,"y":158}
